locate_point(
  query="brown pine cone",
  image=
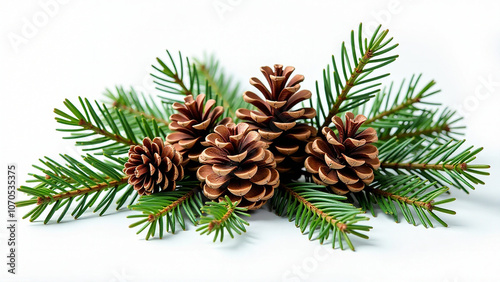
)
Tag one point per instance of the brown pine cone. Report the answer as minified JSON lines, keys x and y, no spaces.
{"x":276,"y":121}
{"x":345,"y":161}
{"x":154,"y":166}
{"x":237,"y":164}
{"x":193,"y":122}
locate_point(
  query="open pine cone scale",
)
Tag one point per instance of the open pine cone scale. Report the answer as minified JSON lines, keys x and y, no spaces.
{"x":344,"y":161}
{"x":238,"y":164}
{"x":275,"y":119}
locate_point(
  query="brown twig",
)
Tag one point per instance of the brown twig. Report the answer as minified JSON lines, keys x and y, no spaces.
{"x":153,"y":217}
{"x":217,"y":222}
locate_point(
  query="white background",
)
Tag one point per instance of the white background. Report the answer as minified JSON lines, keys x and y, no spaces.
{"x":82,"y":47}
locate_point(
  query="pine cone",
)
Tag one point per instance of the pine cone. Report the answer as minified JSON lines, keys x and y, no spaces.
{"x":154,"y":166}
{"x":344,"y":162}
{"x":193,"y":122}
{"x":237,"y":164}
{"x":276,"y":121}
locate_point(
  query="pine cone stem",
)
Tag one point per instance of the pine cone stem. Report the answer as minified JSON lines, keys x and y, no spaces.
{"x":349,"y":84}
{"x":81,"y":191}
{"x":111,"y":136}
{"x":340,"y":225}
{"x":428,"y":206}
{"x":176,"y":203}
{"x":437,"y":129}
{"x":422,"y":166}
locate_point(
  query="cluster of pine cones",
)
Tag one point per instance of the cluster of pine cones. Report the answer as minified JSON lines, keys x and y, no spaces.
{"x":247,"y":161}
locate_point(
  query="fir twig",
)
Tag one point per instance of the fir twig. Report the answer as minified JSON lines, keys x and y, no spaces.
{"x":354,"y":72}
{"x":324,"y":213}
{"x":433,"y":161}
{"x":398,"y":113}
{"x":222,"y":216}
{"x":60,"y":185}
{"x":393,"y":192}
{"x":163,"y":211}
{"x":172,"y":79}
{"x":111,"y":130}
{"x":139,"y":105}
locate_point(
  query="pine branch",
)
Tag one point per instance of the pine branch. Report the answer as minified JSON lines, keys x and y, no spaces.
{"x":385,"y":105}
{"x":60,"y":185}
{"x":223,"y":88}
{"x":358,"y":74}
{"x":165,"y":208}
{"x":393,"y":192}
{"x":111,"y":130}
{"x":425,"y":124}
{"x":435,"y":162}
{"x":222,"y":216}
{"x":401,"y":115}
{"x":171,"y":78}
{"x":430,"y":131}
{"x":324,"y":213}
{"x":140,"y":105}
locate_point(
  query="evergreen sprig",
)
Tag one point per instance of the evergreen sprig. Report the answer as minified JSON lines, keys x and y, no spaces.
{"x":180,"y":77}
{"x":222,"y":216}
{"x":111,"y":131}
{"x":399,"y":113}
{"x":61,"y":185}
{"x":326,"y":214}
{"x":141,"y":105}
{"x":445,"y":164}
{"x":163,"y":211}
{"x":176,"y":77}
{"x":393,"y":192}
{"x":352,"y":84}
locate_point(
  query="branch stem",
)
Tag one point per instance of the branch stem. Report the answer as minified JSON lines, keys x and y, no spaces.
{"x":421,"y":166}
{"x":428,"y":131}
{"x":217,"y":222}
{"x":115,"y":137}
{"x":397,"y":108}
{"x":176,"y":203}
{"x":139,"y":113}
{"x":349,"y":84}
{"x":410,"y":201}
{"x":86,"y":190}
{"x":179,"y":82}
{"x":330,"y":219}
